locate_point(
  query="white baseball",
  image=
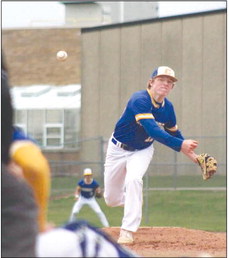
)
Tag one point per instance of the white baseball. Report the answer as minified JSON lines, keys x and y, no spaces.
{"x":61,"y":55}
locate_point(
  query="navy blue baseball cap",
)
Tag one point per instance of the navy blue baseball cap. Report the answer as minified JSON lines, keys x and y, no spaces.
{"x":165,"y":71}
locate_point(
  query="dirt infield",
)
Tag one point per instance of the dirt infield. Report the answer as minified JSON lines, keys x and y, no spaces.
{"x":175,"y":242}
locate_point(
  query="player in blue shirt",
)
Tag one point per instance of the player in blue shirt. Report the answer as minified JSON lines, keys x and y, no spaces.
{"x":85,"y":192}
{"x":148,"y":116}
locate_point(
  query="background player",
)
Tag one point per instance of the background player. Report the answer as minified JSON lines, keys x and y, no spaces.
{"x":130,"y":147}
{"x":85,"y":193}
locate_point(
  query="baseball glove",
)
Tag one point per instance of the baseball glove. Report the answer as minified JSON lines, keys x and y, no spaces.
{"x":99,"y":194}
{"x":208,"y":165}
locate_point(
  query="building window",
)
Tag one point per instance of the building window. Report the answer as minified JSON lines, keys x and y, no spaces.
{"x":49,"y":114}
{"x":52,"y":129}
{"x":21,"y":119}
{"x":53,"y":136}
{"x":34,"y":126}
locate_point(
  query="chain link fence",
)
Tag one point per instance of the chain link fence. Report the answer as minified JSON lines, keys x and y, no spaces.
{"x":168,"y":170}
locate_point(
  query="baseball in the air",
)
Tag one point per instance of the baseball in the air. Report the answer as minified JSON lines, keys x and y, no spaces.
{"x":61,"y":55}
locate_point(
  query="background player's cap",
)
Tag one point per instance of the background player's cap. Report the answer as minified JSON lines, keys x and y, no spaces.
{"x":87,"y":172}
{"x":164,"y":70}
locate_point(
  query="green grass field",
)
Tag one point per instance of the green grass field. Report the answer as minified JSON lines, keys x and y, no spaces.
{"x":205,"y":210}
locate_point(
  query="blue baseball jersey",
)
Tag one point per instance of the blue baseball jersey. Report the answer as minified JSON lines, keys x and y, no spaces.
{"x":144,"y":120}
{"x":88,"y":190}
{"x":19,"y":134}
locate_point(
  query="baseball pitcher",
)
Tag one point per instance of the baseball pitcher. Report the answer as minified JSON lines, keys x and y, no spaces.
{"x":148,"y":116}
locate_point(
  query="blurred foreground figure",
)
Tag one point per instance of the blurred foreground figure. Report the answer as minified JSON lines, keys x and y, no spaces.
{"x":27,"y":156}
{"x":18,"y":208}
{"x":79,"y":239}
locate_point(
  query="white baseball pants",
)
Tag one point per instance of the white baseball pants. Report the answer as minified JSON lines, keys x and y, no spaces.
{"x":94,"y":206}
{"x":123,"y":184}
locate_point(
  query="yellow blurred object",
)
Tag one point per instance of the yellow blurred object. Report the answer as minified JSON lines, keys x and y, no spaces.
{"x":36,"y":172}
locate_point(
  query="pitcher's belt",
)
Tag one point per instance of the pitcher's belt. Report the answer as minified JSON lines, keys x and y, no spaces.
{"x":122,"y":145}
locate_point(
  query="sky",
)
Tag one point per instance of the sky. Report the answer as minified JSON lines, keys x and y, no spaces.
{"x":18,"y":14}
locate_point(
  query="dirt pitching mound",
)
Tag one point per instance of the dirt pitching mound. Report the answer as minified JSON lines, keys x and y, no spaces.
{"x":174,"y":242}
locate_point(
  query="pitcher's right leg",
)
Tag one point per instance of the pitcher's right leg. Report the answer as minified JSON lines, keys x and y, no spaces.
{"x":114,"y":176}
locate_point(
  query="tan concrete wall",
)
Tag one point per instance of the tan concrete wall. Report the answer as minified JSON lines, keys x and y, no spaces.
{"x":118,"y":60}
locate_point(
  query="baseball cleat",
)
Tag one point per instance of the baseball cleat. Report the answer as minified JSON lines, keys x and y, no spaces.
{"x":125,"y":237}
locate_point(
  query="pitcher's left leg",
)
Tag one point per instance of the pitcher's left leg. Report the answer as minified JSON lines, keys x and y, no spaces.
{"x":137,"y":165}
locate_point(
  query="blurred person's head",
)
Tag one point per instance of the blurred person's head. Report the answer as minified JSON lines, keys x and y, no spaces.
{"x":3,"y":63}
{"x":6,"y":114}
